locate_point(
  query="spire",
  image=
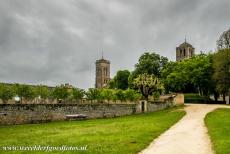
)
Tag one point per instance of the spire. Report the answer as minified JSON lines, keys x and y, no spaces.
{"x":102,"y":55}
{"x":185,"y":39}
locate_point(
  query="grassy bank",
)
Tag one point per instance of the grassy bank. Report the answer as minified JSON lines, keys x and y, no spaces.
{"x":218,"y":124}
{"x":127,"y":135}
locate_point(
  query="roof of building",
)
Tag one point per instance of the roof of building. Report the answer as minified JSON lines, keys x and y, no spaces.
{"x":102,"y":60}
{"x":185,"y":44}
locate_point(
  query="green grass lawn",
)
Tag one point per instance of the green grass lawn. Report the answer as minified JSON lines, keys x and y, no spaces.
{"x":128,"y":134}
{"x":218,"y":124}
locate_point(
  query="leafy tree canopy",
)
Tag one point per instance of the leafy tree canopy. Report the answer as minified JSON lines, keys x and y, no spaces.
{"x":148,"y":84}
{"x":60,"y":92}
{"x":120,"y":81}
{"x":221,"y":66}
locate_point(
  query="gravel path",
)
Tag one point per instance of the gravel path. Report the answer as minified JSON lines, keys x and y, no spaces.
{"x":188,"y":136}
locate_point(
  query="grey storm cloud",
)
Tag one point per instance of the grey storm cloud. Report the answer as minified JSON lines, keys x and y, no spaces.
{"x":58,"y":41}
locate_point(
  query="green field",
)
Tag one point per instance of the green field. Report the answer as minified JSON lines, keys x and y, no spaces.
{"x":218,"y":124}
{"x":128,"y":134}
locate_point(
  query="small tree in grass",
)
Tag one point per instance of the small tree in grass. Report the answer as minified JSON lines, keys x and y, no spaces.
{"x":60,"y":93}
{"x":78,"y":94}
{"x":6,"y":93}
{"x":148,"y":84}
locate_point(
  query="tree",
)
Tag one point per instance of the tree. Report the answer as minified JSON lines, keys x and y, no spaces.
{"x":221,"y":65}
{"x":149,"y":63}
{"x":6,"y":93}
{"x":147,"y":84}
{"x":189,"y":76}
{"x":107,"y":94}
{"x":224,"y":40}
{"x":121,"y":79}
{"x":119,"y":94}
{"x":24,"y":92}
{"x":42,"y":91}
{"x":78,"y":94}
{"x":93,"y":94}
{"x":132,"y":95}
{"x":60,"y":93}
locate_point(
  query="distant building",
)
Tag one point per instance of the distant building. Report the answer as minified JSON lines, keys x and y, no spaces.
{"x":185,"y":50}
{"x":102,"y":73}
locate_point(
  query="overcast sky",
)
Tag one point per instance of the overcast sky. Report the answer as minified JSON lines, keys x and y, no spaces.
{"x":58,"y":41}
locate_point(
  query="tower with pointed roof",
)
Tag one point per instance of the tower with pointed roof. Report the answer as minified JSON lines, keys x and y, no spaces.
{"x":185,"y":50}
{"x":102,"y":72}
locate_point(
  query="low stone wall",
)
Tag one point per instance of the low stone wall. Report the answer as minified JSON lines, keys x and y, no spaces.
{"x":37,"y":113}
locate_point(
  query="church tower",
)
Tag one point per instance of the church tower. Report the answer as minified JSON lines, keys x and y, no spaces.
{"x":185,"y":50}
{"x":102,"y":73}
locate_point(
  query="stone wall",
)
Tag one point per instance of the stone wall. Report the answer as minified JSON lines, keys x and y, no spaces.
{"x":37,"y":113}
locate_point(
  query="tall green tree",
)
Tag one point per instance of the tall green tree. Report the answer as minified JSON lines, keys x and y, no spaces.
{"x":148,"y":84}
{"x":149,"y":63}
{"x":190,"y":75}
{"x":120,"y":81}
{"x":221,"y":65}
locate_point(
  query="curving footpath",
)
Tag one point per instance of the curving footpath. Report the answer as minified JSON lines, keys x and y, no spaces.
{"x":188,"y":136}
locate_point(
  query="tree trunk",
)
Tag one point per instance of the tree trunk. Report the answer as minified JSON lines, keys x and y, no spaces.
{"x":229,"y":97}
{"x":224,"y":97}
{"x":4,"y":101}
{"x":216,"y":96}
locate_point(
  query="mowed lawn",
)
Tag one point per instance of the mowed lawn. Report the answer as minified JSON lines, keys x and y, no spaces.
{"x":122,"y":135}
{"x":218,"y":124}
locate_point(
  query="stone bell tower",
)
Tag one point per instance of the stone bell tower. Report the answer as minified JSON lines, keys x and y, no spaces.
{"x":102,"y":73}
{"x":185,"y":50}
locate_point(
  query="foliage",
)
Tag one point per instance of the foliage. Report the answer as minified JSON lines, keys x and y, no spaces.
{"x":78,"y":94}
{"x":24,"y":91}
{"x":221,"y":66}
{"x":106,"y":94}
{"x":224,"y":40}
{"x":190,"y":75}
{"x":6,"y":92}
{"x":93,"y":94}
{"x":121,"y":79}
{"x":60,"y":92}
{"x":132,"y":95}
{"x":120,"y":95}
{"x":42,"y":91}
{"x":218,"y":123}
{"x":126,"y":135}
{"x":147,"y":84}
{"x":149,"y":63}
